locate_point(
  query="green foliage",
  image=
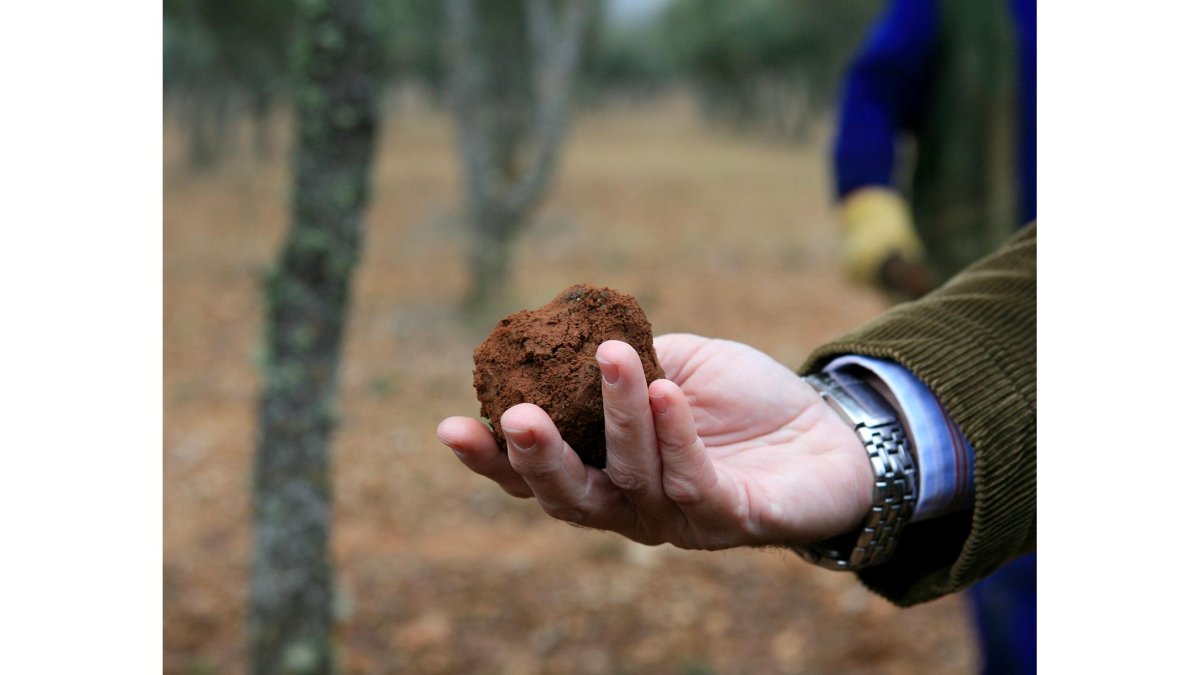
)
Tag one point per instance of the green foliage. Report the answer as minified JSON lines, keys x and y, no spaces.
{"x":751,"y":57}
{"x":411,"y":40}
{"x":250,"y":44}
{"x":631,"y":56}
{"x":243,"y":44}
{"x":768,"y":66}
{"x":754,"y":63}
{"x":223,"y":57}
{"x":721,"y":41}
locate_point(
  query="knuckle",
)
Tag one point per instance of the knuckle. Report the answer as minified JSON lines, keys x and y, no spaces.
{"x":675,"y":441}
{"x":627,"y":481}
{"x":617,"y":417}
{"x":538,"y":472}
{"x":680,"y":490}
{"x":564,"y":512}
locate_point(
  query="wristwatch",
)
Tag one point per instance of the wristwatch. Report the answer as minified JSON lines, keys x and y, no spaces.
{"x":894,"y":496}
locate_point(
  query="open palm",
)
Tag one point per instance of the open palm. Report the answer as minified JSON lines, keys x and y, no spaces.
{"x":732,"y":448}
{"x":771,"y":438}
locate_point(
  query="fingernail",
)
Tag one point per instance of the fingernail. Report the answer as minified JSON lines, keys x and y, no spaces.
{"x":457,"y":453}
{"x":659,"y":404}
{"x":609,"y":372}
{"x":521,"y":439}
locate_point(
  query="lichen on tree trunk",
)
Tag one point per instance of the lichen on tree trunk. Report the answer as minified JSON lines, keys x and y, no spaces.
{"x":307,"y":293}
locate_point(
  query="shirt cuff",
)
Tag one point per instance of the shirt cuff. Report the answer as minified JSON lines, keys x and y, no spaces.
{"x":945,"y":459}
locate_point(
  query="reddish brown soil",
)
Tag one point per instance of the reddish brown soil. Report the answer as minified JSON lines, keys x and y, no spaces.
{"x":547,"y":357}
{"x":438,"y":570}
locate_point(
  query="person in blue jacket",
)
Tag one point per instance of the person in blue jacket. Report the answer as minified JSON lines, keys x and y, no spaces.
{"x":959,"y":79}
{"x":935,"y":161}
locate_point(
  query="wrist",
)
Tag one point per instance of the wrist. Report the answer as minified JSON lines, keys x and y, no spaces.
{"x":860,"y":478}
{"x":943,"y":455}
{"x":892,"y":475}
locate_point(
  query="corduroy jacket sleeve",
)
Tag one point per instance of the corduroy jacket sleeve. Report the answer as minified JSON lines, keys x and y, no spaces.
{"x":973,"y":342}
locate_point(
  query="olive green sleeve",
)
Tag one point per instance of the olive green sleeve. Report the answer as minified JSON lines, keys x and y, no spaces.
{"x":973,"y":342}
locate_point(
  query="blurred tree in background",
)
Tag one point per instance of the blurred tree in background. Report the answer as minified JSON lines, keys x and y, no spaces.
{"x":765,"y":65}
{"x":513,"y":70}
{"x":224,"y":60}
{"x":625,"y":61}
{"x":760,"y":66}
{"x":413,"y":44}
{"x":307,"y":293}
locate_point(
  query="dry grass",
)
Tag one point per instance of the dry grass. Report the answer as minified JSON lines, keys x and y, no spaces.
{"x":439,"y":571}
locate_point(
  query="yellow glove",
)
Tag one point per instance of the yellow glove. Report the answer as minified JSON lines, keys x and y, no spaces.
{"x":875,"y":224}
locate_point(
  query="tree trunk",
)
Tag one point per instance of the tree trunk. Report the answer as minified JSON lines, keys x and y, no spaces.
{"x":492,"y":246}
{"x":260,"y":113}
{"x":511,"y":81}
{"x":306,"y":301}
{"x":209,"y":115}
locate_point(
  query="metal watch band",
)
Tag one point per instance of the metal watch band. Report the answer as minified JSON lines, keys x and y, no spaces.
{"x":895,"y":492}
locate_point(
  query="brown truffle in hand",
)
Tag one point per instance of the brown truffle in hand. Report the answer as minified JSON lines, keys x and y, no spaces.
{"x":548,"y":357}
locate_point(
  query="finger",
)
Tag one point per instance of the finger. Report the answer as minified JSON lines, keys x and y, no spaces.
{"x":717,"y":517}
{"x":632,"y":461}
{"x":689,"y":474}
{"x":475,"y":446}
{"x":565,"y":487}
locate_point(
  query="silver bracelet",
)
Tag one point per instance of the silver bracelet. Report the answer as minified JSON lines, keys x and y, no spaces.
{"x":894,"y":496}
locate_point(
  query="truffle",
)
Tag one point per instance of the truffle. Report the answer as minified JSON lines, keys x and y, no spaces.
{"x":548,"y":357}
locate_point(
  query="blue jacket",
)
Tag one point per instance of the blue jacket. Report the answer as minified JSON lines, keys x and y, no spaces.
{"x":888,"y":81}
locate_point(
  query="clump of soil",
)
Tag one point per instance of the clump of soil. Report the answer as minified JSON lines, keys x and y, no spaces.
{"x":548,"y":357}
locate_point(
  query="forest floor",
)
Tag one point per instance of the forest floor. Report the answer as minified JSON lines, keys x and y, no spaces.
{"x":438,"y":570}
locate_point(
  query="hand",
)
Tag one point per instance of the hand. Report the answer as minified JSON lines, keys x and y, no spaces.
{"x":879,"y":243}
{"x":906,"y":277}
{"x":731,"y":449}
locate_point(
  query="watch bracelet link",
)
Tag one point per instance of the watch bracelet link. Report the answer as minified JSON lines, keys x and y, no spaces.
{"x":893,"y":498}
